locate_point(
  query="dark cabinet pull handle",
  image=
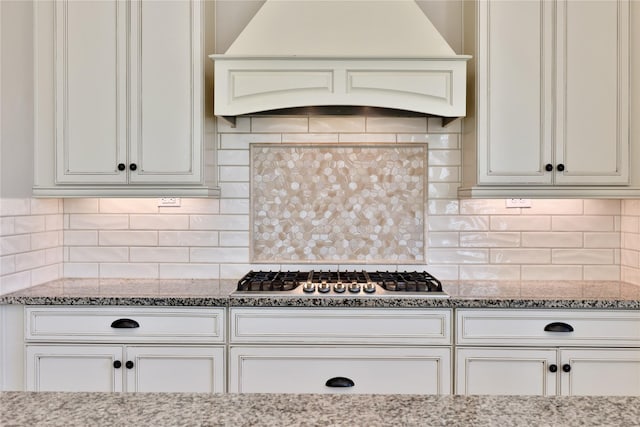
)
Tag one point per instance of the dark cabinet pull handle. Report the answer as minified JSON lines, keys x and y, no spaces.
{"x":125,"y":324}
{"x":566,"y":367}
{"x":129,"y":364}
{"x":553,"y":368}
{"x":117,"y":364}
{"x":558,"y":327}
{"x":548,"y":167}
{"x":340,"y":382}
{"x":121,"y":166}
{"x":133,"y":166}
{"x":560,"y":167}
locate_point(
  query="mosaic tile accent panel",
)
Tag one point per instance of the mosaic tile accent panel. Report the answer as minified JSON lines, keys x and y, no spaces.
{"x":335,"y":203}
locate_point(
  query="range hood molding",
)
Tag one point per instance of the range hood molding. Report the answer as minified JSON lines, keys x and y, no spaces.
{"x":261,"y":72}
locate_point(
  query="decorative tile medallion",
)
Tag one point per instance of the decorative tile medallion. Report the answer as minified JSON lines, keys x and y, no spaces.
{"x":338,"y":203}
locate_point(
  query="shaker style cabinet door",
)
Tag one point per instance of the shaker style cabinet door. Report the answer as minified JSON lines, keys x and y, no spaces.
{"x":90,"y":91}
{"x":600,"y":372}
{"x":94,"y":368}
{"x":175,"y":369}
{"x":128,"y":91}
{"x":507,"y":371}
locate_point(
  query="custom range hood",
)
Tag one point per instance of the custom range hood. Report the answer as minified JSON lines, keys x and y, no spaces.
{"x":340,"y":57}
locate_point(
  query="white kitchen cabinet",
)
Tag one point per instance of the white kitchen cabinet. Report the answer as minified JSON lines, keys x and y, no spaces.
{"x":120,"y":99}
{"x":112,"y":368}
{"x":125,"y":349}
{"x":325,"y":350}
{"x":341,"y":369}
{"x":547,"y":352}
{"x":548,"y":102}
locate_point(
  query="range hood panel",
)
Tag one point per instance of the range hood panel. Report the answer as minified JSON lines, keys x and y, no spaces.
{"x":384,"y":54}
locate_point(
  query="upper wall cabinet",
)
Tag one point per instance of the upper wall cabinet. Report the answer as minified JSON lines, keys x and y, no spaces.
{"x":548,"y":104}
{"x":120,"y":99}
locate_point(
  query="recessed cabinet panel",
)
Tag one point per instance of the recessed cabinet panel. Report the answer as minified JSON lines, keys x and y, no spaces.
{"x":73,"y":368}
{"x":166,"y":91}
{"x":505,"y":371}
{"x":515,"y":96}
{"x":594,"y":372}
{"x":90,"y":91}
{"x":328,"y":370}
{"x":592,"y":110}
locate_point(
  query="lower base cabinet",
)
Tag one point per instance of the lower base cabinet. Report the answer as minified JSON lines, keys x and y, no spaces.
{"x":113,"y":368}
{"x":313,"y":369}
{"x":548,"y":372}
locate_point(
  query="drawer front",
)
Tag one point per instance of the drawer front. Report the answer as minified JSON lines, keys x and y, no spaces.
{"x":353,"y":326}
{"x":401,"y":370}
{"x":527,"y":327}
{"x":95,"y":324}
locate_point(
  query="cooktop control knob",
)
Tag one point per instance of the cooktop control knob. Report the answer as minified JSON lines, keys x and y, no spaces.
{"x":324,"y":287}
{"x":339,"y":287}
{"x":369,"y":287}
{"x":354,"y":287}
{"x":308,"y":287}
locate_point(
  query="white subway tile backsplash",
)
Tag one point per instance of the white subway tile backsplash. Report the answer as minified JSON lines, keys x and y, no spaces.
{"x":128,"y":238}
{"x":129,"y":270}
{"x":80,"y":237}
{"x":337,"y":124}
{"x":7,"y":225}
{"x":458,"y":223}
{"x":15,"y":244}
{"x":280,"y":124}
{"x":54,"y":255}
{"x":396,"y":124}
{"x":81,"y":269}
{"x":233,"y":157}
{"x":243,"y":124}
{"x":442,"y":190}
{"x":551,"y":272}
{"x":602,"y":207}
{"x":30,"y":260}
{"x":552,"y":240}
{"x":235,"y":190}
{"x":234,"y":271}
{"x":373,"y":138}
{"x":444,"y":174}
{"x":234,"y":173}
{"x":29,"y":224}
{"x":159,"y":222}
{"x":45,"y":274}
{"x":188,"y":238}
{"x":194,"y":206}
{"x":98,"y":254}
{"x":53,"y":222}
{"x":74,"y":206}
{"x":234,"y":206}
{"x":15,"y":207}
{"x":442,"y":207}
{"x":521,"y":223}
{"x":489,"y":272}
{"x":219,"y":222}
{"x":158,"y":254}
{"x":47,"y":239}
{"x":520,"y":256}
{"x":232,"y":255}
{"x":486,"y":207}
{"x":98,"y":221}
{"x":444,"y":158}
{"x":45,"y":206}
{"x":630,"y":224}
{"x":490,"y":239}
{"x":234,"y":238}
{"x":309,"y":138}
{"x":15,"y":282}
{"x":7,"y":264}
{"x":582,"y":256}
{"x":241,"y":141}
{"x":555,"y":207}
{"x":602,"y":240}
{"x":443,"y":239}
{"x":458,"y":256}
{"x":191,"y":270}
{"x":108,"y":206}
{"x":583,"y":223}
{"x":601,"y":272}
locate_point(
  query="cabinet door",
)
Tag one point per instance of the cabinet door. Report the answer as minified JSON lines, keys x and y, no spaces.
{"x":326,"y":370}
{"x":74,"y":368}
{"x":166,"y":91}
{"x":505,"y":371}
{"x":593,"y":372}
{"x":90,"y":91}
{"x":592,"y":122}
{"x":175,"y":369}
{"x":514,"y":72}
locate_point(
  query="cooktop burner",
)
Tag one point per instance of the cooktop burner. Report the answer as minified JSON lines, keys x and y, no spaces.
{"x":336,"y":283}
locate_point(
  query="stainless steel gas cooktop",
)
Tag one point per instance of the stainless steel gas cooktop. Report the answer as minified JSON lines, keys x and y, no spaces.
{"x":340,"y":283}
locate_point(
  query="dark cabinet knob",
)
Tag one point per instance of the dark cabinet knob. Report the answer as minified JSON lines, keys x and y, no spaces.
{"x":553,"y":368}
{"x":560,"y":167}
{"x":548,"y":167}
{"x":133,"y":166}
{"x":558,"y":327}
{"x":566,"y":367}
{"x":129,"y":364}
{"x":121,"y":166}
{"x":340,"y":382}
{"x":125,"y":324}
{"x":117,"y":364}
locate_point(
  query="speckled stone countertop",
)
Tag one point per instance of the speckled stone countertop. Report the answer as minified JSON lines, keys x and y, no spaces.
{"x":176,"y":409}
{"x":468,"y":294}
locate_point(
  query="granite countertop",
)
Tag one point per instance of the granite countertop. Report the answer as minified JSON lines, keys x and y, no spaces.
{"x":186,"y":409}
{"x":218,"y":293}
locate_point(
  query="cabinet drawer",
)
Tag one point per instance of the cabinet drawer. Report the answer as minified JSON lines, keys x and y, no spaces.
{"x":527,"y":327}
{"x":353,"y":326}
{"x":95,"y":324}
{"x":286,"y":369}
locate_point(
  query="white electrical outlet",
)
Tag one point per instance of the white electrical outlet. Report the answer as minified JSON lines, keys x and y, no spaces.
{"x":518,"y":203}
{"x":169,"y":201}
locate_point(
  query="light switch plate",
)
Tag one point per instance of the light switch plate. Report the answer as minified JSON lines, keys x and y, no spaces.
{"x":169,"y":201}
{"x":518,"y":203}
